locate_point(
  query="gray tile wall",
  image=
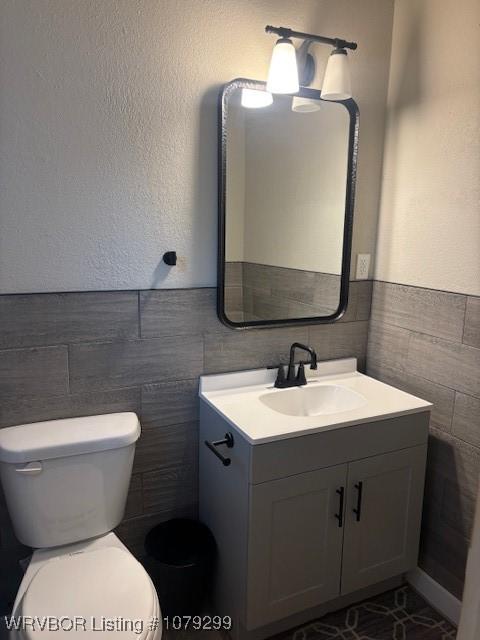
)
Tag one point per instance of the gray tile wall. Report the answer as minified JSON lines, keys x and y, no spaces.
{"x":73,"y":354}
{"x":264,"y":292}
{"x":428,"y":343}
{"x":85,"y":353}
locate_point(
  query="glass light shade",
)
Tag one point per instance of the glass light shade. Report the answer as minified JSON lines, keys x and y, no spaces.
{"x":255,"y":99}
{"x":336,"y":82}
{"x":283,"y":72}
{"x":305,"y":105}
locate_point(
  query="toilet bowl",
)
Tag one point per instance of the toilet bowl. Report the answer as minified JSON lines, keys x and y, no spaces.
{"x":86,"y":588}
{"x":65,"y":483}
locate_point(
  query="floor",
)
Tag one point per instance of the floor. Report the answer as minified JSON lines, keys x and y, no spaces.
{"x":396,"y":615}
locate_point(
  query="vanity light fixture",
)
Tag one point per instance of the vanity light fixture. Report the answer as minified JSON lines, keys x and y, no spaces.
{"x":336,"y":81}
{"x":305,"y":105}
{"x":287,"y":62}
{"x":255,"y":99}
{"x":283,"y":72}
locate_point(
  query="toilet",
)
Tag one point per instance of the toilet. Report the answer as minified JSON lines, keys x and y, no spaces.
{"x":66,"y":484}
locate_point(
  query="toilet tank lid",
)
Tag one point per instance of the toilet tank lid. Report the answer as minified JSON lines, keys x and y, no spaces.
{"x":72,"y":436}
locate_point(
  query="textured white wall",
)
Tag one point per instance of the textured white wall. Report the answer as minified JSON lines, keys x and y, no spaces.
{"x":296,"y":175}
{"x":108,"y":130}
{"x":429,"y":231}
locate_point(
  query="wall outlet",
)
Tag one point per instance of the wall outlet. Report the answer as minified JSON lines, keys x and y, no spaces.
{"x":363,"y":266}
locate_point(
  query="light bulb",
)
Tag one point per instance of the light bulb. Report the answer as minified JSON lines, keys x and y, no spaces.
{"x":255,"y":99}
{"x":283,"y":72}
{"x":336,"y":82}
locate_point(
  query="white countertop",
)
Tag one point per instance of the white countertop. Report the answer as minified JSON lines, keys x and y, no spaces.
{"x":236,"y":397}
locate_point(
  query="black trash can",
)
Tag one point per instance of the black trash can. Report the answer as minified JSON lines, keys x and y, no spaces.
{"x":181,"y":561}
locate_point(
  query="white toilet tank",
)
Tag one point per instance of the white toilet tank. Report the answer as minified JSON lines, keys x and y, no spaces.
{"x":67,"y":480}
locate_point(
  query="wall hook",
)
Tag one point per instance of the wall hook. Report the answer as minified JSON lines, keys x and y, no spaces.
{"x":170,"y":258}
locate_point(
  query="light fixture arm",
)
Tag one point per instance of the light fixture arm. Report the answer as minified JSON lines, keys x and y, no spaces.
{"x":285,"y":32}
{"x":305,"y":63}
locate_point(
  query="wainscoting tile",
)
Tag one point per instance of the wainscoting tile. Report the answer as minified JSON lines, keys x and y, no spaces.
{"x":448,"y":363}
{"x":18,"y":410}
{"x":293,"y":284}
{"x":257,"y":276}
{"x":350,"y":314}
{"x":274,"y":307}
{"x":315,"y":293}
{"x":132,"y":532}
{"x":363,"y":292}
{"x":466,"y":419}
{"x":233,"y":274}
{"x":250,"y":349}
{"x":236,"y":316}
{"x":359,"y":301}
{"x":12,"y":575}
{"x":450,"y":494}
{"x":455,"y":460}
{"x":458,"y":508}
{"x":281,"y":293}
{"x":103,"y":366}
{"x":387,"y":347}
{"x":447,"y":504}
{"x":166,"y":446}
{"x":424,"y":310}
{"x":38,"y":371}
{"x":169,"y":403}
{"x":326,"y":290}
{"x":233,"y":300}
{"x":134,"y":506}
{"x":110,"y":365}
{"x":443,"y":555}
{"x":169,"y":312}
{"x":170,"y":489}
{"x":471,"y":334}
{"x":340,"y":340}
{"x":56,"y":318}
{"x":7,"y":536}
{"x":248,"y":299}
{"x":442,"y":398}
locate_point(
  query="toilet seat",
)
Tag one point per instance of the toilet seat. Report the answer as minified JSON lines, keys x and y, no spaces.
{"x":102,"y":586}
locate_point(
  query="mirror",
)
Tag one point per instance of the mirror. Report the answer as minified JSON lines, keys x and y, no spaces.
{"x":286,"y":190}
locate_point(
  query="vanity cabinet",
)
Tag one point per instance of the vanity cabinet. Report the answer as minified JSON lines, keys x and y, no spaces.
{"x":295,"y":543}
{"x":382,"y":518}
{"x":307,"y":520}
{"x":318,"y":535}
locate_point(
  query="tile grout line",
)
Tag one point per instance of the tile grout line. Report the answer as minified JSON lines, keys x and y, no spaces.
{"x":415,"y":286}
{"x":139,"y":316}
{"x":465,"y":322}
{"x":69,"y":381}
{"x":421,"y":333}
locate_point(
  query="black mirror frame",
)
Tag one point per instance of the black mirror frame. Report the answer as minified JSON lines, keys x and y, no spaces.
{"x":352,"y":108}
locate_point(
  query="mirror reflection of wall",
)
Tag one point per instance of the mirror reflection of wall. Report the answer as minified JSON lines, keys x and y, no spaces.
{"x":285,"y":209}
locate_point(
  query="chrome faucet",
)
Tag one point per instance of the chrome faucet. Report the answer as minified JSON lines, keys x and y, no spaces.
{"x":298,"y":380}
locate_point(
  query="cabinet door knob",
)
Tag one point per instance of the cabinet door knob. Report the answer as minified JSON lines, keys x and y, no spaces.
{"x":358,"y":510}
{"x":339,"y":515}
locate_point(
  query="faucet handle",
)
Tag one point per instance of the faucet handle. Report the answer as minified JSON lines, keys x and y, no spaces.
{"x":301,"y":379}
{"x":280,"y":381}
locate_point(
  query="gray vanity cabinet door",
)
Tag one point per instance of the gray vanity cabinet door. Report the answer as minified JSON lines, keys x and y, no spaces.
{"x":295,"y":544}
{"x":384,"y":542}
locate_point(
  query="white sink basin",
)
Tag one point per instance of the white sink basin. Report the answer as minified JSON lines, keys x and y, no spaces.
{"x":336,"y":396}
{"x":319,"y":400}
